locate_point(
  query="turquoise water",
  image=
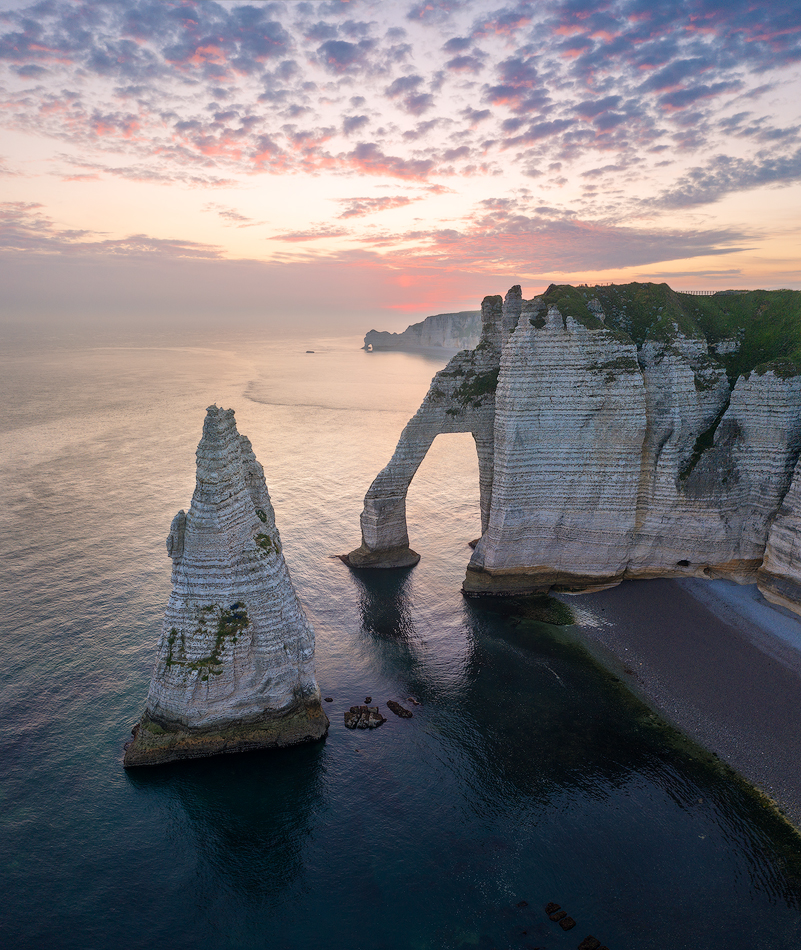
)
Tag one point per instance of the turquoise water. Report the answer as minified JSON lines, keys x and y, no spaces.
{"x":527,"y":774}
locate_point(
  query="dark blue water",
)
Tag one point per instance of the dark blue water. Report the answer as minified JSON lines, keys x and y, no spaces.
{"x":527,"y":774}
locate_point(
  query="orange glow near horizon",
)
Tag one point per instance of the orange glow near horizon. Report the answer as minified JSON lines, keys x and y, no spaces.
{"x":424,"y":157}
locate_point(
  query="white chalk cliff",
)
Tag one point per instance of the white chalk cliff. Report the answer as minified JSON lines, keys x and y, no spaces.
{"x":602,"y":458}
{"x":452,"y":331}
{"x":235,"y":667}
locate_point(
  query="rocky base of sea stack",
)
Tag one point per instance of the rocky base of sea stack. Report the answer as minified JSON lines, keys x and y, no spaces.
{"x":156,"y":743}
{"x":401,"y":556}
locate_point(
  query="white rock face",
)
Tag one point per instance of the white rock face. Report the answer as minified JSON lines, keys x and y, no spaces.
{"x":779,"y":577}
{"x":570,"y":420}
{"x":453,"y":331}
{"x":461,"y":399}
{"x":235,"y":665}
{"x":717,"y":518}
{"x":600,"y":461}
{"x":686,"y":393}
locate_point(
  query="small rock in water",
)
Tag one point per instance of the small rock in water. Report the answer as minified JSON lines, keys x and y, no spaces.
{"x":522,"y":903}
{"x":558,"y":915}
{"x":399,"y":710}
{"x":329,"y":699}
{"x":363,"y":717}
{"x":551,"y":908}
{"x":414,"y":701}
{"x":368,"y":700}
{"x":589,"y":943}
{"x":567,"y":923}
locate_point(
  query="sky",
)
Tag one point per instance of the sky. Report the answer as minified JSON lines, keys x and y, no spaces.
{"x":355,"y":164}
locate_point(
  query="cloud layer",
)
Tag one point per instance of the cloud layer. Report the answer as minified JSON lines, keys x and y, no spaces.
{"x":574,"y":133}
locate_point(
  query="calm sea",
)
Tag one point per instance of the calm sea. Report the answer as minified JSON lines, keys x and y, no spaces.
{"x":527,"y":774}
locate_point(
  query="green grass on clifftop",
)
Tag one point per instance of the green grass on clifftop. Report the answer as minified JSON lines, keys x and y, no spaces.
{"x":765,"y":323}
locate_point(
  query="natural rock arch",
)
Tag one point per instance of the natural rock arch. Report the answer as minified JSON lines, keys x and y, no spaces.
{"x":461,"y":399}
{"x":615,"y":446}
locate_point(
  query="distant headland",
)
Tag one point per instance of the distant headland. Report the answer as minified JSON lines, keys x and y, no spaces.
{"x":622,"y":431}
{"x":450,"y":331}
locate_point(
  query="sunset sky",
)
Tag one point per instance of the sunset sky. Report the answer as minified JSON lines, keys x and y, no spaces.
{"x":357,"y":164}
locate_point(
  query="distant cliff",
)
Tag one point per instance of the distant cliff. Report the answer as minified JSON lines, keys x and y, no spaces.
{"x":455,"y":331}
{"x":622,"y":432}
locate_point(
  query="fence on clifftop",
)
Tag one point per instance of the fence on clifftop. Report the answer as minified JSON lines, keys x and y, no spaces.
{"x":711,"y":293}
{"x":690,"y":293}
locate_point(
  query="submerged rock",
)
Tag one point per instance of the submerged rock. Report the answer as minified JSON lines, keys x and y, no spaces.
{"x":399,"y":710}
{"x":235,"y":667}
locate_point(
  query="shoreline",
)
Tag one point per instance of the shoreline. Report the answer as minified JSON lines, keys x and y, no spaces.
{"x":717,"y":661}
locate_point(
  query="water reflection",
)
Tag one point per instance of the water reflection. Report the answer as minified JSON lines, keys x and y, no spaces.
{"x":251,"y":814}
{"x":385,"y":603}
{"x":424,"y":656}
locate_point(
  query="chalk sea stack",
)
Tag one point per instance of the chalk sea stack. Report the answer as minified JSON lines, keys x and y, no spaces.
{"x":235,"y":667}
{"x":623,"y":431}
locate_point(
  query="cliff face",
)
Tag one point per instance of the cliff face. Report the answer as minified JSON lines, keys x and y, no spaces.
{"x":620,"y":449}
{"x":235,"y":667}
{"x":461,"y":399}
{"x":455,"y":331}
{"x":567,"y":453}
{"x":779,"y":576}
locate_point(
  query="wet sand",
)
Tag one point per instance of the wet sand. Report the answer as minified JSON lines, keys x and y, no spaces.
{"x":716,"y":660}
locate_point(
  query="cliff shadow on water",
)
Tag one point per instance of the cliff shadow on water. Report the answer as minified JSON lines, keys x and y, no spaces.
{"x":250,"y":814}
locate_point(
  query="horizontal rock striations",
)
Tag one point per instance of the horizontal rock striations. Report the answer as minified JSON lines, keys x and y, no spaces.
{"x":779,"y":575}
{"x":461,"y":399}
{"x":235,"y":667}
{"x":567,"y":455}
{"x":616,"y":445}
{"x":453,"y":331}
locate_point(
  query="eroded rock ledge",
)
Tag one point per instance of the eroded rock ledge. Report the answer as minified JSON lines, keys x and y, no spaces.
{"x":622,"y":432}
{"x":235,"y":666}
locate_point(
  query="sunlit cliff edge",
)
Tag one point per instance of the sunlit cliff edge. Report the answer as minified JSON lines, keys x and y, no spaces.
{"x":624,"y":431}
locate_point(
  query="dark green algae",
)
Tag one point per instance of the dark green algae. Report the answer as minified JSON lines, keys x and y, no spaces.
{"x":549,"y":626}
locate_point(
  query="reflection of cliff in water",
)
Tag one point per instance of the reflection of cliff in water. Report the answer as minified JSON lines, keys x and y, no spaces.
{"x":250,"y":814}
{"x":388,"y":629}
{"x":384,"y":603}
{"x":399,"y":638}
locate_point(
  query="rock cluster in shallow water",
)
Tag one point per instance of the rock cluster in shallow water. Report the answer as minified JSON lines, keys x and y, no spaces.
{"x":235,"y":667}
{"x":363,"y":717}
{"x":602,"y":457}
